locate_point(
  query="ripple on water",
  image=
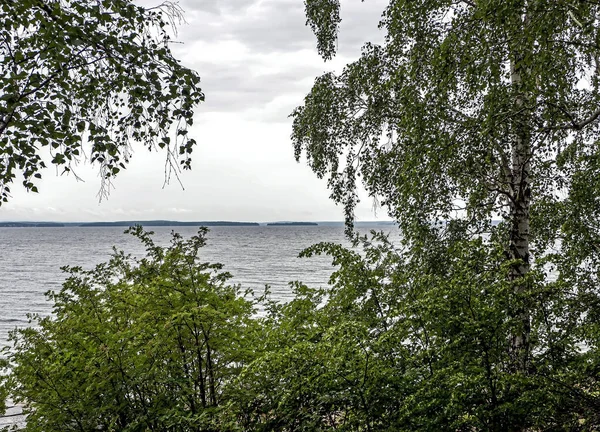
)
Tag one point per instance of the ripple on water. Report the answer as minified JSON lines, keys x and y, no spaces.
{"x":30,"y":259}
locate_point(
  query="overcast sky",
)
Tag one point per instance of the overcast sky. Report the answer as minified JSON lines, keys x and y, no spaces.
{"x":257,"y":61}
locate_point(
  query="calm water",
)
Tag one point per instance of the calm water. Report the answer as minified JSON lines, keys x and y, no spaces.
{"x":30,"y":259}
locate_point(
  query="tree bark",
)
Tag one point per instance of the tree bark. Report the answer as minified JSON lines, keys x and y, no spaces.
{"x":211,"y":376}
{"x":519,"y":218}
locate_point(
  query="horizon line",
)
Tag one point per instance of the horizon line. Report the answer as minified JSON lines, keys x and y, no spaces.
{"x":190,"y":221}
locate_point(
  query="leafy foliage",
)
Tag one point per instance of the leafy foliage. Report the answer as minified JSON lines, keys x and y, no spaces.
{"x":429,"y":120}
{"x":323,"y":17}
{"x":136,"y":344}
{"x":471,"y":112}
{"x":391,"y":347}
{"x":399,"y":341}
{"x":97,"y":72}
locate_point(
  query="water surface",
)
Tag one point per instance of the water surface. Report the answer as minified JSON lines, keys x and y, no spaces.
{"x":30,"y":259}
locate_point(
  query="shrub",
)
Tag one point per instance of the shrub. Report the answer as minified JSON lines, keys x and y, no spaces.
{"x":136,"y":345}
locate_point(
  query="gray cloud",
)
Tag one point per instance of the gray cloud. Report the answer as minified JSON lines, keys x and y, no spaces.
{"x":233,"y":88}
{"x":249,"y":53}
{"x":277,"y":26}
{"x":263,"y":27}
{"x":216,"y":7}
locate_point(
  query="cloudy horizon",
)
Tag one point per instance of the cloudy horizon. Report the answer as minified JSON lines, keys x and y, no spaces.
{"x":257,"y":60}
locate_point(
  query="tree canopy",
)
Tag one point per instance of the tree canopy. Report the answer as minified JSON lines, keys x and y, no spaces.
{"x":88,"y":80}
{"x":478,"y":120}
{"x":430,"y":119}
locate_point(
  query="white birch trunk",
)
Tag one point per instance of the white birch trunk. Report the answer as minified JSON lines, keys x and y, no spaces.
{"x":519,"y":218}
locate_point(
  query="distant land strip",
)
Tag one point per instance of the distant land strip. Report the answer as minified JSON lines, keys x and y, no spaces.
{"x":31,"y":225}
{"x":155,"y":223}
{"x":292,"y":224}
{"x":166,"y":223}
{"x":151,"y":223}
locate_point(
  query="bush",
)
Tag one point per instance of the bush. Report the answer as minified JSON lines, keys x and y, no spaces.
{"x":388,"y":347}
{"x":136,"y":345}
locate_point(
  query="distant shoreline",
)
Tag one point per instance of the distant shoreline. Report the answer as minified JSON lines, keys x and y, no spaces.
{"x":169,"y":223}
{"x":292,"y":224}
{"x":31,"y":225}
{"x":123,"y":224}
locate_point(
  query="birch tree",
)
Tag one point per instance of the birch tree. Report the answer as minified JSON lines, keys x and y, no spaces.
{"x":470,"y":113}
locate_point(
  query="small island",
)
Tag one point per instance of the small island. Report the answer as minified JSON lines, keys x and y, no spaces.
{"x":292,"y":224}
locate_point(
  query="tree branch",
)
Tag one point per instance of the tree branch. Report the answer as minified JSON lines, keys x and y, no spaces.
{"x":579,"y":126}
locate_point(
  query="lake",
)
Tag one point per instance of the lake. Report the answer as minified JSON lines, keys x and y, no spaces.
{"x":30,"y":259}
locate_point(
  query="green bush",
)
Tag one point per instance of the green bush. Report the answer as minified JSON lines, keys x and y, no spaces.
{"x":389,"y":347}
{"x":136,"y":345}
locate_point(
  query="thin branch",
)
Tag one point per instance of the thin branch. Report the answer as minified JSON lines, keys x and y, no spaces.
{"x":578,"y":126}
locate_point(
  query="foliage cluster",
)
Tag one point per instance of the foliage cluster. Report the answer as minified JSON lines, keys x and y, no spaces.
{"x":74,"y":73}
{"x":136,"y":344}
{"x":163,"y":343}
